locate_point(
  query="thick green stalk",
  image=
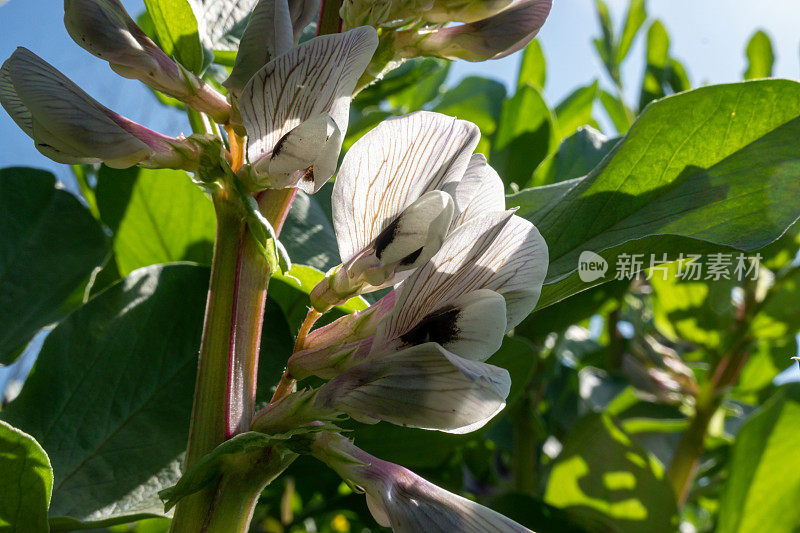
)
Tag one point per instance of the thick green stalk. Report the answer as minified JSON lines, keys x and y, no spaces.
{"x":209,"y":422}
{"x":239,"y":490}
{"x":329,"y":21}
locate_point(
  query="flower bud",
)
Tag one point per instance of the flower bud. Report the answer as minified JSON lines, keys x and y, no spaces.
{"x":105,"y":30}
{"x":444,"y":11}
{"x":69,"y":126}
{"x":491,"y":38}
{"x":405,"y":243}
{"x":400,"y":499}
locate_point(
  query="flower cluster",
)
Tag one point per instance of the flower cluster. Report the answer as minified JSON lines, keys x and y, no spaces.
{"x":416,"y":213}
{"x":483,"y":29}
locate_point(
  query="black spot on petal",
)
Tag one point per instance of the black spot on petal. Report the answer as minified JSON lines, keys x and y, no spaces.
{"x":385,"y":238}
{"x":441,"y":327}
{"x":279,"y":146}
{"x":410,"y":258}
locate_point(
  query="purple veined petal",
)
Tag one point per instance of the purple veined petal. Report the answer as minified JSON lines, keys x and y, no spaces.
{"x":311,"y":79}
{"x":390,"y":167}
{"x":497,"y":251}
{"x":490,"y":38}
{"x":268,"y":35}
{"x":479,"y":192}
{"x":404,"y":501}
{"x":423,"y":386}
{"x":67,"y":124}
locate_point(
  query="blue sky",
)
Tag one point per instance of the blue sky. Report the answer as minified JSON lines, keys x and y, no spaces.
{"x":707,"y":35}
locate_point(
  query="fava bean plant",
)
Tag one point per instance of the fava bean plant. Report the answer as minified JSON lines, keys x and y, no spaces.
{"x":349,"y":271}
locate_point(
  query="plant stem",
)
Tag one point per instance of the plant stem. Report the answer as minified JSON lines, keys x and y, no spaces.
{"x":209,"y":424}
{"x":238,"y":491}
{"x":329,"y":21}
{"x":525,"y":446}
{"x":287,"y":382}
{"x":252,"y":283}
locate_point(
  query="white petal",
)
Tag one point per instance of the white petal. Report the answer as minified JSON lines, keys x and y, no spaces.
{"x":293,"y":158}
{"x":424,"y":386}
{"x":417,"y":233}
{"x":65,"y":120}
{"x":13,"y":104}
{"x":498,"y":251}
{"x":472,"y":326}
{"x":314,"y":78}
{"x":377,"y":511}
{"x":390,"y":167}
{"x":268,"y":34}
{"x":480,"y":191}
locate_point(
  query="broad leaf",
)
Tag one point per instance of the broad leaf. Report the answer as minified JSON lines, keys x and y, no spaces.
{"x":157,"y":216}
{"x":176,"y":27}
{"x":693,"y":166}
{"x":763,"y":482}
{"x":580,"y":153}
{"x":126,"y":363}
{"x":656,"y":72}
{"x":27,"y":480}
{"x":601,"y":469}
{"x":49,"y":244}
{"x":617,"y":111}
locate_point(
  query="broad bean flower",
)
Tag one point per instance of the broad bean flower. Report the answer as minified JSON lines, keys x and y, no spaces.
{"x":402,"y":500}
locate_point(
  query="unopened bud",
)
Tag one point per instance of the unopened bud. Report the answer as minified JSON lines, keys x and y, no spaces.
{"x":105,"y":29}
{"x":69,"y":126}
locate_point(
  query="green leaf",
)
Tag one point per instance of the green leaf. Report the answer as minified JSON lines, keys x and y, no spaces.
{"x":576,"y":110}
{"x":601,"y":469}
{"x":49,"y":245}
{"x":760,"y":57}
{"x":415,"y":96}
{"x":157,"y":216}
{"x":693,"y":310}
{"x":617,"y":111}
{"x":543,"y":518}
{"x":526,"y":134}
{"x":605,"y":44}
{"x":111,"y":394}
{"x":761,"y":491}
{"x":581,"y":152}
{"x":655,"y":74}
{"x":533,"y":67}
{"x":27,"y":481}
{"x":690,"y":173}
{"x":176,"y":28}
{"x":403,"y":81}
{"x":478,"y":100}
{"x":637,"y":14}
